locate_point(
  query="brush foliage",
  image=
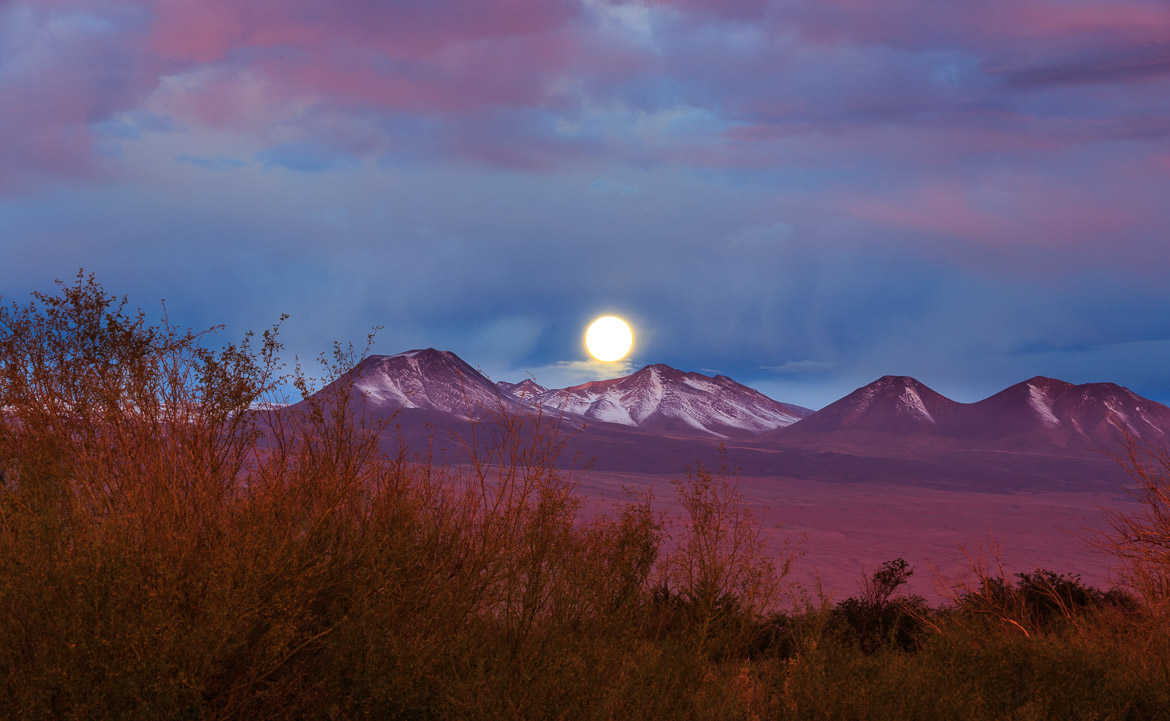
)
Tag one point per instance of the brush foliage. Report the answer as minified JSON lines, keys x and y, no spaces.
{"x":175,"y":545}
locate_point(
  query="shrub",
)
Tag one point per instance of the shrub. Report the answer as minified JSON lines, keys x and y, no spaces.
{"x":1140,"y":538}
{"x":167,"y":550}
{"x":719,"y":582}
{"x":170,"y":547}
{"x":876,"y":618}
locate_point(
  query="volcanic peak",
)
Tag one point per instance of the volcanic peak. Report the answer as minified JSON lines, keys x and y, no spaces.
{"x":660,"y":397}
{"x":1039,"y":412}
{"x":527,"y":389}
{"x":902,"y":396}
{"x":426,"y":378}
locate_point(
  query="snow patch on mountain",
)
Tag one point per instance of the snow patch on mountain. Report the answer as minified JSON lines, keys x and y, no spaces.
{"x":656,"y":397}
{"x":526,"y":389}
{"x":428,"y":379}
{"x":1040,"y":412}
{"x":911,"y":402}
{"x":659,"y":395}
{"x":1042,"y":405}
{"x":1037,"y":413}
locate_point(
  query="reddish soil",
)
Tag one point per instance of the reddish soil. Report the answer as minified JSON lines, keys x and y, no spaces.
{"x":844,"y":529}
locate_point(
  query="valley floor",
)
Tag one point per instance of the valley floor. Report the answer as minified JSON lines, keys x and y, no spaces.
{"x":847,"y":529}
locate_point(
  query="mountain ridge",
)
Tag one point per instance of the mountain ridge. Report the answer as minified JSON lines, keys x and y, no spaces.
{"x":1040,"y":434}
{"x":1038,"y":412}
{"x":663,"y":399}
{"x":659,"y":397}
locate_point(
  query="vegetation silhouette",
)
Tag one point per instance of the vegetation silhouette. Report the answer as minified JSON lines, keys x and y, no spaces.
{"x":175,"y":542}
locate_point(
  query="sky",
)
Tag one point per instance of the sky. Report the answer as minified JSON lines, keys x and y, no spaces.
{"x":804,"y":195}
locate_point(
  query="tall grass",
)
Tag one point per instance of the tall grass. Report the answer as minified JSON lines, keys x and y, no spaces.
{"x":167,"y":551}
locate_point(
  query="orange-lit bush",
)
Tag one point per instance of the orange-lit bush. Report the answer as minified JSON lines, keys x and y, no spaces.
{"x":174,"y":546}
{"x":1141,"y":538}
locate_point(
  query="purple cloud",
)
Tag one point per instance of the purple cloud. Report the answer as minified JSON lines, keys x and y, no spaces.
{"x":764,"y":71}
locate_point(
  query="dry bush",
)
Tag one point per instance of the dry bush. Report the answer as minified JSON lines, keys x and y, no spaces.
{"x":720,"y":580}
{"x":122,"y":447}
{"x":1140,"y":538}
{"x":984,"y":592}
{"x":169,"y":550}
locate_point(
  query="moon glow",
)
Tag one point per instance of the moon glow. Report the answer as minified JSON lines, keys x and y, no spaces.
{"x":609,"y":339}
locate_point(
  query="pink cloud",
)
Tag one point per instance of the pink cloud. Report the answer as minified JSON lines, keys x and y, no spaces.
{"x":207,"y":30}
{"x":1089,"y":40}
{"x":1132,"y":18}
{"x":196,"y":32}
{"x":937,"y":209}
{"x":268,"y":67}
{"x":419,"y":57}
{"x":1019,"y":212}
{"x":59,"y":73}
{"x":249,"y":66}
{"x":495,"y":72}
{"x":998,"y":25}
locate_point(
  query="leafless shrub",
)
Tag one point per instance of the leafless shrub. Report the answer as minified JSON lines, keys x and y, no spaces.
{"x":720,"y":570}
{"x":166,"y":550}
{"x":985,"y":591}
{"x":1140,"y":538}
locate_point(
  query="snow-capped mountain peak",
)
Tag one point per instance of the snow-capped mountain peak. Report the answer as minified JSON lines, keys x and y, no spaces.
{"x":891,"y":412}
{"x":666,"y":399}
{"x":889,"y":404}
{"x":526,"y":389}
{"x":657,"y":397}
{"x":1039,"y":412}
{"x":426,"y":379}
{"x":1091,"y":414}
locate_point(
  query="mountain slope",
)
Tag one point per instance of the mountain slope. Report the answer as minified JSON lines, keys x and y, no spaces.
{"x":668,"y":400}
{"x":657,"y":398}
{"x":898,"y":412}
{"x":427,"y":379}
{"x":1041,"y":434}
{"x":526,"y":389}
{"x":890,"y":405}
{"x":1091,"y":415}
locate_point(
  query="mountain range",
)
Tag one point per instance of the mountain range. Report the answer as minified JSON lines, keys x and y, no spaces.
{"x":1040,"y":433}
{"x":1039,"y":413}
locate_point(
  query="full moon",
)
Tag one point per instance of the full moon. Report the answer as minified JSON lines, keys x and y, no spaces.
{"x":609,"y":339}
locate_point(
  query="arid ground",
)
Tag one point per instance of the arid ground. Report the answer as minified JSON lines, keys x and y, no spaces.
{"x":844,"y":529}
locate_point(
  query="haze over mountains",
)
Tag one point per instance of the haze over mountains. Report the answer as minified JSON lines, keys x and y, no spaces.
{"x":1041,"y":433}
